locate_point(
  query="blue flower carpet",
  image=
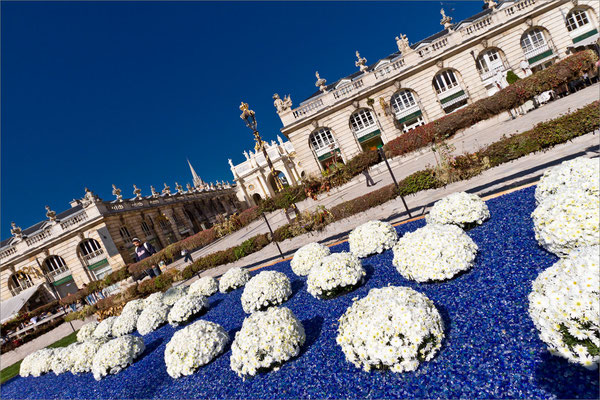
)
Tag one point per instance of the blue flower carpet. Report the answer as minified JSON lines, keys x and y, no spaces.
{"x":491,"y":349}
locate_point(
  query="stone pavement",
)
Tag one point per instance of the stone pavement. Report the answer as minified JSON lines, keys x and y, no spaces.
{"x":469,"y":140}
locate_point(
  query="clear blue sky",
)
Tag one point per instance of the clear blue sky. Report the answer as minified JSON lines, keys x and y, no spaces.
{"x":96,"y":93}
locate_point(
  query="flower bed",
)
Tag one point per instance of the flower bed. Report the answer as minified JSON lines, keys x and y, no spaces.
{"x":116,"y":355}
{"x":371,"y":238}
{"x":491,"y":349}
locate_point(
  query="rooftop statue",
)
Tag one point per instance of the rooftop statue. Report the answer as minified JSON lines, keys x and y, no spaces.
{"x":154,"y":192}
{"x":16,"y":231}
{"x":89,"y":198}
{"x":137,"y":192}
{"x":51,"y":215}
{"x":446,"y":20}
{"x":402,"y":43}
{"x":179,"y":188}
{"x":320,"y":82}
{"x":117,"y":193}
{"x":282,"y":105}
{"x":189,"y":188}
{"x":166,"y":190}
{"x":361,"y":63}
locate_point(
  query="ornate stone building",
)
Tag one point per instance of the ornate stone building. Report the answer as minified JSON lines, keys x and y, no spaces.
{"x":426,"y":80}
{"x":253,"y":178}
{"x":93,"y":238}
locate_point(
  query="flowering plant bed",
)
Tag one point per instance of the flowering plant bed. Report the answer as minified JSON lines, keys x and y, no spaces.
{"x":491,"y":348}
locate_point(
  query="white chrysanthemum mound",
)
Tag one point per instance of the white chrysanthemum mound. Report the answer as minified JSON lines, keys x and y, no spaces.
{"x":153,"y":316}
{"x":186,"y":307}
{"x":60,"y":361}
{"x":104,"y":328}
{"x":153,"y":298}
{"x":82,"y":355}
{"x":306,"y":256}
{"x":434,"y":253}
{"x":86,"y":332}
{"x":116,"y":355}
{"x":565,"y":307}
{"x":206,"y":286}
{"x":566,"y":221}
{"x":37,"y":363}
{"x":335,"y":274}
{"x":581,"y":173}
{"x":393,"y":327}
{"x":233,"y":279}
{"x":462,"y":209}
{"x":136,"y":306}
{"x":194,"y":346}
{"x":267,"y":339}
{"x":173,"y":294}
{"x":125,"y":323}
{"x":371,"y":238}
{"x":269,"y":288}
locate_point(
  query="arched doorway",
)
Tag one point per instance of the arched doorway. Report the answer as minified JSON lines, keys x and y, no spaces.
{"x":282,"y":178}
{"x":256,"y":198}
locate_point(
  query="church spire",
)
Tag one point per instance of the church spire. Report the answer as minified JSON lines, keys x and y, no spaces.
{"x":197,"y":181}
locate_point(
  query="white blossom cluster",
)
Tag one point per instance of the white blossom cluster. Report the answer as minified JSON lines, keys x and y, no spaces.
{"x":234,"y":278}
{"x":136,"y":306}
{"x":205,"y":286}
{"x":434,"y":253}
{"x":82,"y":355}
{"x":567,"y":220}
{"x":267,"y":339}
{"x":126,"y":323}
{"x":60,"y":362}
{"x":194,"y":346}
{"x":86,"y":331}
{"x":173,"y":294}
{"x":37,"y":363}
{"x":371,"y":238}
{"x":461,"y":208}
{"x":156,"y":297}
{"x":581,"y":173}
{"x":186,"y":307}
{"x":269,"y":288}
{"x":334,"y":273}
{"x":116,"y":354}
{"x":306,"y":256}
{"x":392,"y":327}
{"x":153,"y":316}
{"x":565,"y":307}
{"x":104,"y":328}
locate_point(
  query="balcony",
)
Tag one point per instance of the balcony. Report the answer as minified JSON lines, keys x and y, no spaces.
{"x":361,"y":133}
{"x":58,"y":274}
{"x":93,"y":257}
{"x":492,"y":72}
{"x":518,"y":7}
{"x":308,"y":108}
{"x":23,"y":285}
{"x":537,"y":54}
{"x":452,"y":96}
{"x":347,"y":89}
{"x":407,"y":113}
{"x":74,"y":220}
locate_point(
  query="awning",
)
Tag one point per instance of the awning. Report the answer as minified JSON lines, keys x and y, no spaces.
{"x":586,"y":39}
{"x":12,"y":306}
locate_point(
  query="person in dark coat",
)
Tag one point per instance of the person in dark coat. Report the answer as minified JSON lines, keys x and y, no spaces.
{"x":143,"y":251}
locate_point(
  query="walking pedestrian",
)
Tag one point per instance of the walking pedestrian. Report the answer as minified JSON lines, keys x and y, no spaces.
{"x":370,"y":181}
{"x":143,"y":251}
{"x":187,"y":256}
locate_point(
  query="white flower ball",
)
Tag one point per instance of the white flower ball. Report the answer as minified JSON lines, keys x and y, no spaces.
{"x":135,"y":306}
{"x":581,"y":173}
{"x":125,"y":323}
{"x":156,"y":297}
{"x":153,"y":316}
{"x":233,"y":279}
{"x":434,"y":253}
{"x":462,"y":209}
{"x":116,"y":355}
{"x":60,"y":361}
{"x":267,"y":339}
{"x":268,"y":288}
{"x":37,"y":363}
{"x":186,"y":307}
{"x":82,"y":355}
{"x":306,"y":256}
{"x":371,"y":238}
{"x":565,"y":307}
{"x":566,"y":221}
{"x":86,"y":332}
{"x":104,"y":328}
{"x":205,"y":286}
{"x":393,"y":327}
{"x":173,"y":294}
{"x":194,"y":346}
{"x":334,"y":274}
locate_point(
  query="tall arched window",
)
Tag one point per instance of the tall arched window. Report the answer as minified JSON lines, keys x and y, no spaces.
{"x":325,"y":147}
{"x":488,"y":62}
{"x":537,"y":49}
{"x":90,"y":249}
{"x":362,"y":120}
{"x":54,"y":265}
{"x":124,"y":232}
{"x":532,"y":40}
{"x":406,"y":109}
{"x":577,"y":19}
{"x":146,"y":229}
{"x":450,"y":93}
{"x":19,"y":282}
{"x":365,"y":129}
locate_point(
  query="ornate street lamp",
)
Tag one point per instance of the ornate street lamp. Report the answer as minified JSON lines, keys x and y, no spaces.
{"x":250,"y":120}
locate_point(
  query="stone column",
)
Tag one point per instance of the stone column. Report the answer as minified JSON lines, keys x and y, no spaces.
{"x":169,"y":214}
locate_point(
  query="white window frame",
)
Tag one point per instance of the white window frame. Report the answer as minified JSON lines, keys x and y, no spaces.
{"x":403,"y":100}
{"x":322,"y":141}
{"x":362,"y":121}
{"x":489,"y":60}
{"x":575,"y":19}
{"x":533,"y":39}
{"x":55,"y":265}
{"x":444,"y":81}
{"x":20,"y":284}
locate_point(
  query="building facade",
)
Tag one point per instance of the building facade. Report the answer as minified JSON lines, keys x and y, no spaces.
{"x":59,"y":255}
{"x":253,"y":177}
{"x":424,"y":81}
